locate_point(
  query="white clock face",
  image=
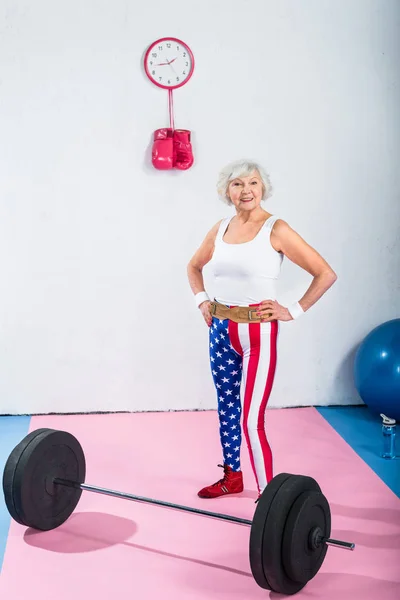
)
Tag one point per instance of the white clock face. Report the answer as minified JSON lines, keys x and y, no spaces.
{"x":169,"y":63}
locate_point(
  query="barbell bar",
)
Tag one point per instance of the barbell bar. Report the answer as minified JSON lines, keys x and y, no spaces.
{"x":44,"y":478}
{"x":199,"y":511}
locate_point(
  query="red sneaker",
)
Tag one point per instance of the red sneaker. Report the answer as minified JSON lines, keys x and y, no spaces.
{"x":231,"y":483}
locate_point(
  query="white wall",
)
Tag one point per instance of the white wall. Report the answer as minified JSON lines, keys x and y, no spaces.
{"x":96,"y":312}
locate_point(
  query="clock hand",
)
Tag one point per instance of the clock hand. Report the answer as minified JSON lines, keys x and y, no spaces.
{"x":170,"y":64}
{"x":166,"y":63}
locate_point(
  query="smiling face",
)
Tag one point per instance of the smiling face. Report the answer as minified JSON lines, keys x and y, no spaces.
{"x":246,"y":192}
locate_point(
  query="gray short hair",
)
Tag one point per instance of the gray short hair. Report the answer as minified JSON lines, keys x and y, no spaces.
{"x":242,"y":168}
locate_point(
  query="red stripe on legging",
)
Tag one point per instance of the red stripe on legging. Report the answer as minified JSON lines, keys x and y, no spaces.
{"x":254,"y":336}
{"x":266,"y":449}
{"x":233,"y":329}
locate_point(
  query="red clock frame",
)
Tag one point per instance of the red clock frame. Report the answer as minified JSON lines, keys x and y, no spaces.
{"x":169,"y":39}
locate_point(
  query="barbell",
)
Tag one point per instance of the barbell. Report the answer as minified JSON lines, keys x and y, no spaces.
{"x":44,"y":478}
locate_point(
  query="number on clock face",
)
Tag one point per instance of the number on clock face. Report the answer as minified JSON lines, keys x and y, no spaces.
{"x":169,"y":63}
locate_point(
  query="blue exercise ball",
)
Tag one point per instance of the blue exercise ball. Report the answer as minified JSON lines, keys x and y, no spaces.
{"x":377,"y":369}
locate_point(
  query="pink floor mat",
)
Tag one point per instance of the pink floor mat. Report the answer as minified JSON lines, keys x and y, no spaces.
{"x":112,"y":548}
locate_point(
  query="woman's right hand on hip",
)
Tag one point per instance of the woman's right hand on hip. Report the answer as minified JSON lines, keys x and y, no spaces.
{"x":205,"y":308}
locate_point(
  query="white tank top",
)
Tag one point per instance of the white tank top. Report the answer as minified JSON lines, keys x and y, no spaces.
{"x":245,"y":273}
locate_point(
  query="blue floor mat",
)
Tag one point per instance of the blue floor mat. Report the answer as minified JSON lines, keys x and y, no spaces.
{"x":362,"y":431}
{"x":12,"y":430}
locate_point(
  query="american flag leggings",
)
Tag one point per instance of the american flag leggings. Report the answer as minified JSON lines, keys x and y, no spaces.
{"x":243,"y":364}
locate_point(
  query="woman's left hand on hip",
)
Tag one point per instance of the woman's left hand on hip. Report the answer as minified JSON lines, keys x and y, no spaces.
{"x":271,"y":310}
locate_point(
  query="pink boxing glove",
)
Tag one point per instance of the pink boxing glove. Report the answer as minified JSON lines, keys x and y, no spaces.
{"x":183,"y":157}
{"x":163,"y":149}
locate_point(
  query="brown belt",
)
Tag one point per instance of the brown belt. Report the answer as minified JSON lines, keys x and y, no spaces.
{"x":239,"y":314}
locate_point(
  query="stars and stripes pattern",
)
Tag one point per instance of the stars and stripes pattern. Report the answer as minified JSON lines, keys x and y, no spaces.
{"x":243,"y":364}
{"x":226,"y":368}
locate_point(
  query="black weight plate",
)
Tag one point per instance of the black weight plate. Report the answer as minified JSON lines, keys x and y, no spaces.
{"x":9,"y":472}
{"x":32,"y":467}
{"x":257,"y":529}
{"x":301,"y":558}
{"x":275,"y":521}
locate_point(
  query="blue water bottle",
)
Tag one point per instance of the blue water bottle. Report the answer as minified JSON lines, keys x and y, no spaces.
{"x":389,"y":436}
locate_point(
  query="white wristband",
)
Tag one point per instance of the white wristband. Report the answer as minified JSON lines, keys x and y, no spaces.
{"x":201,"y":297}
{"x":295,"y":310}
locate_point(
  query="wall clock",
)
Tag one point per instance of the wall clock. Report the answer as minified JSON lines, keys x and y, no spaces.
{"x":169,"y":63}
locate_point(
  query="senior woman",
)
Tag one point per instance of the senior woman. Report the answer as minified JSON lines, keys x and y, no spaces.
{"x":246,"y":252}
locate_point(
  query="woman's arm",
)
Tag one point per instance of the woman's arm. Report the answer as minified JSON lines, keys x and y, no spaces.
{"x":195,"y":272}
{"x":284,"y":239}
{"x":202,"y":256}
